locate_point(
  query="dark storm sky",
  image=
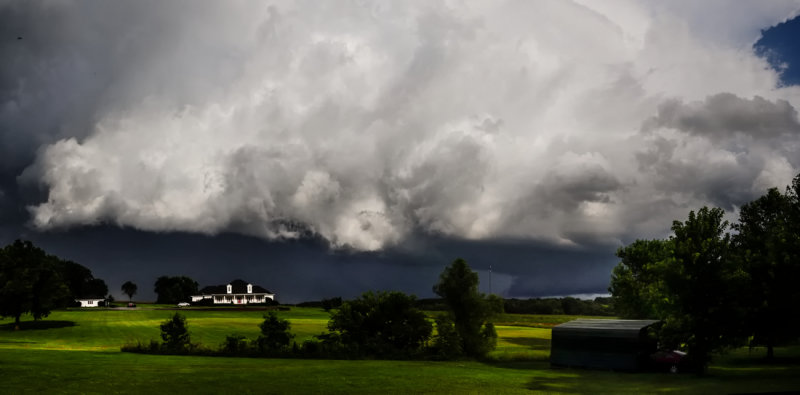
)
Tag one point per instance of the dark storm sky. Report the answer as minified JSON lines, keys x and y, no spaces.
{"x":322,"y":149}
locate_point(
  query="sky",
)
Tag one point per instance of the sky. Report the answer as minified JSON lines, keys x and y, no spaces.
{"x":324,"y":149}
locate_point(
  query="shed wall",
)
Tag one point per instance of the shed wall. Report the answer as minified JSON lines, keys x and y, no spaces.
{"x":600,"y":348}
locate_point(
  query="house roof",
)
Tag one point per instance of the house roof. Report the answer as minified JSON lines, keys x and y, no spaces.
{"x":238,"y":287}
{"x":91,"y":297}
{"x":601,"y":324}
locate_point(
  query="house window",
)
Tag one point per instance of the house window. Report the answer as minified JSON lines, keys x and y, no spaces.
{"x":230,"y":288}
{"x":249,"y":288}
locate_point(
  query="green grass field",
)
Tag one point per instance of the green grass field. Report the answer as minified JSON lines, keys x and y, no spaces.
{"x":54,"y":356}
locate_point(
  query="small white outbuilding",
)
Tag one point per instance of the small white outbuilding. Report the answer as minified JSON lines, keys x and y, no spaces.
{"x":90,"y":302}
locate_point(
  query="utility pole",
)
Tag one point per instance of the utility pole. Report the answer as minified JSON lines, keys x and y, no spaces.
{"x":490,"y":279}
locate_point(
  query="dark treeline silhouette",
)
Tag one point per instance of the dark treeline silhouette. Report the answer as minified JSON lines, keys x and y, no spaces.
{"x":35,"y":282}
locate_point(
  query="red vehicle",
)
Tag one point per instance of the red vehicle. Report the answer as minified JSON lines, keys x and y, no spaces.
{"x":670,"y":360}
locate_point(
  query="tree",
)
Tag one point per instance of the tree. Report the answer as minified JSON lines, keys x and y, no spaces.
{"x":275,"y":335}
{"x":129,"y":288}
{"x":95,"y":287}
{"x":30,"y":282}
{"x":469,"y":310}
{"x":634,"y":280}
{"x":175,"y":333}
{"x":692,"y":282}
{"x":172,"y":290}
{"x":76,"y":277}
{"x":383,"y":323}
{"x":767,"y":244}
{"x":698,"y":292}
{"x":79,"y":281}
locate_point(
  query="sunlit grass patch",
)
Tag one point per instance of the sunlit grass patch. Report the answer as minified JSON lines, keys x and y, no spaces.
{"x":516,"y":343}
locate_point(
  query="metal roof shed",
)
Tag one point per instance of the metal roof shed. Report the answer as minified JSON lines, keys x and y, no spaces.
{"x":602,"y":344}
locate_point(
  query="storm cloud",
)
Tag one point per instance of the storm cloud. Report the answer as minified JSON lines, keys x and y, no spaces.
{"x":373,"y":125}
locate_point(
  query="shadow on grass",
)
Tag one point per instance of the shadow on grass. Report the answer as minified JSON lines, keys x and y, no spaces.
{"x":551,"y":385}
{"x":35,"y":325}
{"x":518,"y":364}
{"x":784,"y":356}
{"x":752,"y":378}
{"x":580,"y":381}
{"x":533,"y":342}
{"x":761,"y":361}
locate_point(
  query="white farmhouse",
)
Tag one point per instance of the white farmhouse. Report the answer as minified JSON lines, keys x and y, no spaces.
{"x":235,"y":292}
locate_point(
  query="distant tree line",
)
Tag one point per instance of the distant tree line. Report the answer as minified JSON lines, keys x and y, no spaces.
{"x":35,"y":282}
{"x":715,"y":285}
{"x":599,"y":306}
{"x":326,"y":304}
{"x":374,"y":325}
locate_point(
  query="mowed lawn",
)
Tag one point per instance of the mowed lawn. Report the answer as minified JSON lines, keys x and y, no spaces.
{"x":85,"y":358}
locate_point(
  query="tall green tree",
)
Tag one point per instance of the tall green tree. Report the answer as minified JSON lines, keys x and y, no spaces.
{"x":767,"y":245}
{"x":129,"y":288}
{"x":701,"y":294}
{"x":692,"y":282}
{"x":76,"y":277}
{"x":80,"y":282}
{"x":96,"y":287}
{"x":30,"y":282}
{"x":175,"y":289}
{"x":469,"y":310}
{"x":634,"y":283}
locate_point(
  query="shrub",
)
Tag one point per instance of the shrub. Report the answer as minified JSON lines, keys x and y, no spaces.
{"x":311,"y":349}
{"x":384,"y":324}
{"x":175,"y":333}
{"x":275,"y":335}
{"x":489,"y":336}
{"x":447,"y":342}
{"x":153,"y":347}
{"x":203,"y":302}
{"x":234,"y":344}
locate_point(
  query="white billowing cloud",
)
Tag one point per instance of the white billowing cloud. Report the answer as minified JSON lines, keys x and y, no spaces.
{"x":367,"y":121}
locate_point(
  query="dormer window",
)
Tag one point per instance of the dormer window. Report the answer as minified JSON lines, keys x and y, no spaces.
{"x":249,"y":288}
{"x":230,"y":289}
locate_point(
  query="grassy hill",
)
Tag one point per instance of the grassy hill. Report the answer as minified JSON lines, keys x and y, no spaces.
{"x":77,"y":351}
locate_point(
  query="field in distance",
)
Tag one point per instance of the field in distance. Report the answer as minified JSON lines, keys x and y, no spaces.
{"x":77,"y":351}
